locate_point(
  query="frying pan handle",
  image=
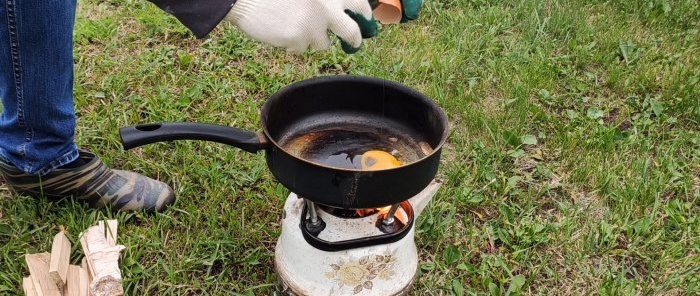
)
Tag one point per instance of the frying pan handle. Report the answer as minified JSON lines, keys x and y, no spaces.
{"x":138,"y":135}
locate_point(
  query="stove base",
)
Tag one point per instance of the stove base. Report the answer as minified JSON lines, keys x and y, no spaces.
{"x":387,"y":269}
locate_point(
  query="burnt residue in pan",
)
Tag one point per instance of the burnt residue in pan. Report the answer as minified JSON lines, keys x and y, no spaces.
{"x":342,"y":147}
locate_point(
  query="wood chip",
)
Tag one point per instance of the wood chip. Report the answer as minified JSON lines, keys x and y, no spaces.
{"x":60,"y":257}
{"x":425,"y":147}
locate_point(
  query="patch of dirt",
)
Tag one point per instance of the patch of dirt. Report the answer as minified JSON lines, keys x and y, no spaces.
{"x":548,"y":206}
{"x":636,"y":267}
{"x":611,"y":118}
{"x":526,"y":164}
{"x":335,"y":69}
{"x":622,"y":242}
{"x":625,"y":125}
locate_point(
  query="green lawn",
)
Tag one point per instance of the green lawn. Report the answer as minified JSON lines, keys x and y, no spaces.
{"x":573,"y":166}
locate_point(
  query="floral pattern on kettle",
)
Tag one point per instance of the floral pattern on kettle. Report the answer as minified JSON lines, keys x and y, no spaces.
{"x":361,"y":274}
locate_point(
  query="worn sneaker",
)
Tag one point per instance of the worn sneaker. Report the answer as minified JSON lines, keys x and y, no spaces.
{"x":93,"y":183}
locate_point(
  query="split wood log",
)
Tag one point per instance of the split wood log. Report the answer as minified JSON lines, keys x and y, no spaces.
{"x":28,"y":287}
{"x":38,"y":265}
{"x":77,"y":284}
{"x":84,"y":282}
{"x":103,"y":259}
{"x":60,"y":257}
{"x":86,"y":268}
{"x":86,"y":263}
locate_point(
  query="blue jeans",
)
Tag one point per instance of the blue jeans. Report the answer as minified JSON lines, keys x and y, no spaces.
{"x":36,"y":84}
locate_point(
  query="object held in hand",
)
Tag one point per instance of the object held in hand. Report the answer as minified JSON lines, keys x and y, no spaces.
{"x":388,"y":11}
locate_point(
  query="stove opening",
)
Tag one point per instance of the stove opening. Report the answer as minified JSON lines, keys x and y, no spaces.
{"x":353,"y":214}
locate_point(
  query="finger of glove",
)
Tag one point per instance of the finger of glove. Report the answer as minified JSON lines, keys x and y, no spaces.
{"x":361,"y":12}
{"x":368,"y":27}
{"x":343,"y":26}
{"x":321,"y":42}
{"x":361,"y":7}
{"x":411,"y":9}
{"x":295,"y":46}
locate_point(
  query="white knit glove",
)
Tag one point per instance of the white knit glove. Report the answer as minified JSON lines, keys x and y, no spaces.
{"x":299,"y":24}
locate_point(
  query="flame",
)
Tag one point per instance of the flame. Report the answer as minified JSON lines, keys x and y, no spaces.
{"x":366,"y":212}
{"x":384,"y":210}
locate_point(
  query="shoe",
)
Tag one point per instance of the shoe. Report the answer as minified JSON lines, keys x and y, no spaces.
{"x":93,"y":183}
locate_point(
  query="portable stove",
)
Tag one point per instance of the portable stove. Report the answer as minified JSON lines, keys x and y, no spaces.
{"x":331,"y":251}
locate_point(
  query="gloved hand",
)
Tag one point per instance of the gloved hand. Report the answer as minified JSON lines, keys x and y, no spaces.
{"x":410,"y":9}
{"x":300,"y":24}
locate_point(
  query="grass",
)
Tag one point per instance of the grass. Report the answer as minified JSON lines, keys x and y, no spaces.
{"x":573,"y":166}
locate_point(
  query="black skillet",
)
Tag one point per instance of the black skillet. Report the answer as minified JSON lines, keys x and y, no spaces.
{"x":315,"y":131}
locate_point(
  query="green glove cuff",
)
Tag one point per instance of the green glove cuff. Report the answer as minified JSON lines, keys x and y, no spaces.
{"x":411,"y":9}
{"x":368,"y":29}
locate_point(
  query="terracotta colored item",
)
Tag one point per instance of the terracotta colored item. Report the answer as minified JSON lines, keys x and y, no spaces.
{"x":378,"y":160}
{"x":388,"y":11}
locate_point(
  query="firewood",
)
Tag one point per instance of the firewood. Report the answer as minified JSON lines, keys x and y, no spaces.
{"x":87,"y":264}
{"x":60,"y":257}
{"x":84,"y":282}
{"x":38,"y":265}
{"x":99,"y":275}
{"x":103,"y":258}
{"x":77,"y":284}
{"x":86,"y":268}
{"x":28,"y":287}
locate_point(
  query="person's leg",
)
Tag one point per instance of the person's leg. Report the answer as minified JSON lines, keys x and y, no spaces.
{"x":36,"y":84}
{"x":37,"y":154}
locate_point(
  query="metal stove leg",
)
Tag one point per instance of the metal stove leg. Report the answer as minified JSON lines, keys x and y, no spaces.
{"x":389,"y":218}
{"x":311,"y":209}
{"x":313,"y":223}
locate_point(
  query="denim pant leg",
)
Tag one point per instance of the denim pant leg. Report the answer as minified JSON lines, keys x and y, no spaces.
{"x":36,"y":84}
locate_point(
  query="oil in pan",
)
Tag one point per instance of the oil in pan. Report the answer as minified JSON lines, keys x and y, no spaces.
{"x":344,"y":147}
